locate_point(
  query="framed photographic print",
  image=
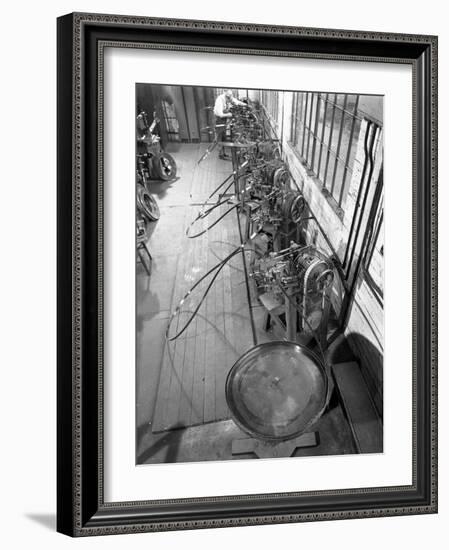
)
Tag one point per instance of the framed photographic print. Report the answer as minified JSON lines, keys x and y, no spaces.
{"x":247,"y":282}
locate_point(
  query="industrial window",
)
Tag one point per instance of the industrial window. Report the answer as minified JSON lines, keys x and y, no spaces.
{"x":325,"y":130}
{"x":270,"y":101}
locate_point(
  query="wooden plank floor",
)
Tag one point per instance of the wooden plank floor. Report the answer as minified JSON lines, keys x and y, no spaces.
{"x":191,"y":387}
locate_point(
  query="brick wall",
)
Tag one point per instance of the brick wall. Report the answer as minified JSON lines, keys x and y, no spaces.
{"x":364,"y":322}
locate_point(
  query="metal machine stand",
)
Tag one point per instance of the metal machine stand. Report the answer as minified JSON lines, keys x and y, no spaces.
{"x":235,"y":147}
{"x":264,"y":448}
{"x":144,"y":255}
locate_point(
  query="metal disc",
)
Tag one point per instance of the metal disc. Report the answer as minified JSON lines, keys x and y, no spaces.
{"x":277,"y":390}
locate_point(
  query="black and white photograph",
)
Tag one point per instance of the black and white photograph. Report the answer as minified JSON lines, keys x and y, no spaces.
{"x":259,"y":273}
{"x":234,"y":214}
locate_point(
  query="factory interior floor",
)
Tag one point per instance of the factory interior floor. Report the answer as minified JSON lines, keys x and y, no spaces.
{"x":181,"y":411}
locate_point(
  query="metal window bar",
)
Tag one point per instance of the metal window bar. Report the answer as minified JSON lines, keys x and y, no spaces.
{"x":322,"y":133}
{"x":333,"y":154}
{"x":304,"y":126}
{"x":315,"y":131}
{"x":300,"y":102}
{"x":372,"y":246}
{"x":378,"y":290}
{"x":340,"y":135}
{"x":268,"y":122}
{"x":276,"y":107}
{"x":320,"y":140}
{"x":348,"y":153}
{"x":331,"y":131}
{"x":365,"y":184}
{"x":307,"y":107}
{"x":309,"y":126}
{"x":302,"y":117}
{"x":294,"y":119}
{"x":281,"y":132}
{"x":308,"y":129}
{"x":340,"y":108}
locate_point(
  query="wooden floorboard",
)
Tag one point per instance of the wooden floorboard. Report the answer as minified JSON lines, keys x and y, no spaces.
{"x":209,"y":382}
{"x":195,"y":366}
{"x":197,"y":402}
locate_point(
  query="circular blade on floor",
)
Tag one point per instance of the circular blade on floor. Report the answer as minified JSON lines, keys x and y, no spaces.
{"x":277,"y":390}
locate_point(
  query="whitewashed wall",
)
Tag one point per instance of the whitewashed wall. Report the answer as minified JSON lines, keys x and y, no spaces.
{"x":364,"y":328}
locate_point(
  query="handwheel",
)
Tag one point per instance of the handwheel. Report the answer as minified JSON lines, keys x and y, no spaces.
{"x":276,"y":153}
{"x":280,"y":177}
{"x":147,"y":204}
{"x":297,"y":208}
{"x":293,"y":206}
{"x":165,"y":166}
{"x":271,"y":169}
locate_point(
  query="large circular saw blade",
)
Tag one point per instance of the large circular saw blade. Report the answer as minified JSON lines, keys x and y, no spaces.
{"x":277,"y":390}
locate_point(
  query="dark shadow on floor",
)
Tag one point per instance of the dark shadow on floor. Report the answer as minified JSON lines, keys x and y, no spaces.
{"x":170,"y":442}
{"x":46,"y":520}
{"x":356,"y":347}
{"x":160,"y":187}
{"x":365,"y":349}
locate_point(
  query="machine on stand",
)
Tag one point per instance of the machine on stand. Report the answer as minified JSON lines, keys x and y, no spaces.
{"x":278,"y":390}
{"x":151,"y":163}
{"x":154,"y":162}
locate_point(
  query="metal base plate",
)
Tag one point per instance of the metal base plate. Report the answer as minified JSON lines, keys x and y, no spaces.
{"x":275,"y":449}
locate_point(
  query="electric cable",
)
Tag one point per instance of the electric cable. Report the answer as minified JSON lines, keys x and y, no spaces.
{"x":203,"y":215}
{"x":217,"y":268}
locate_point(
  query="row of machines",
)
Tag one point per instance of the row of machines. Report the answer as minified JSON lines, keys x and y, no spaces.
{"x":293,"y":279}
{"x":152,"y":163}
{"x":278,"y":389}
